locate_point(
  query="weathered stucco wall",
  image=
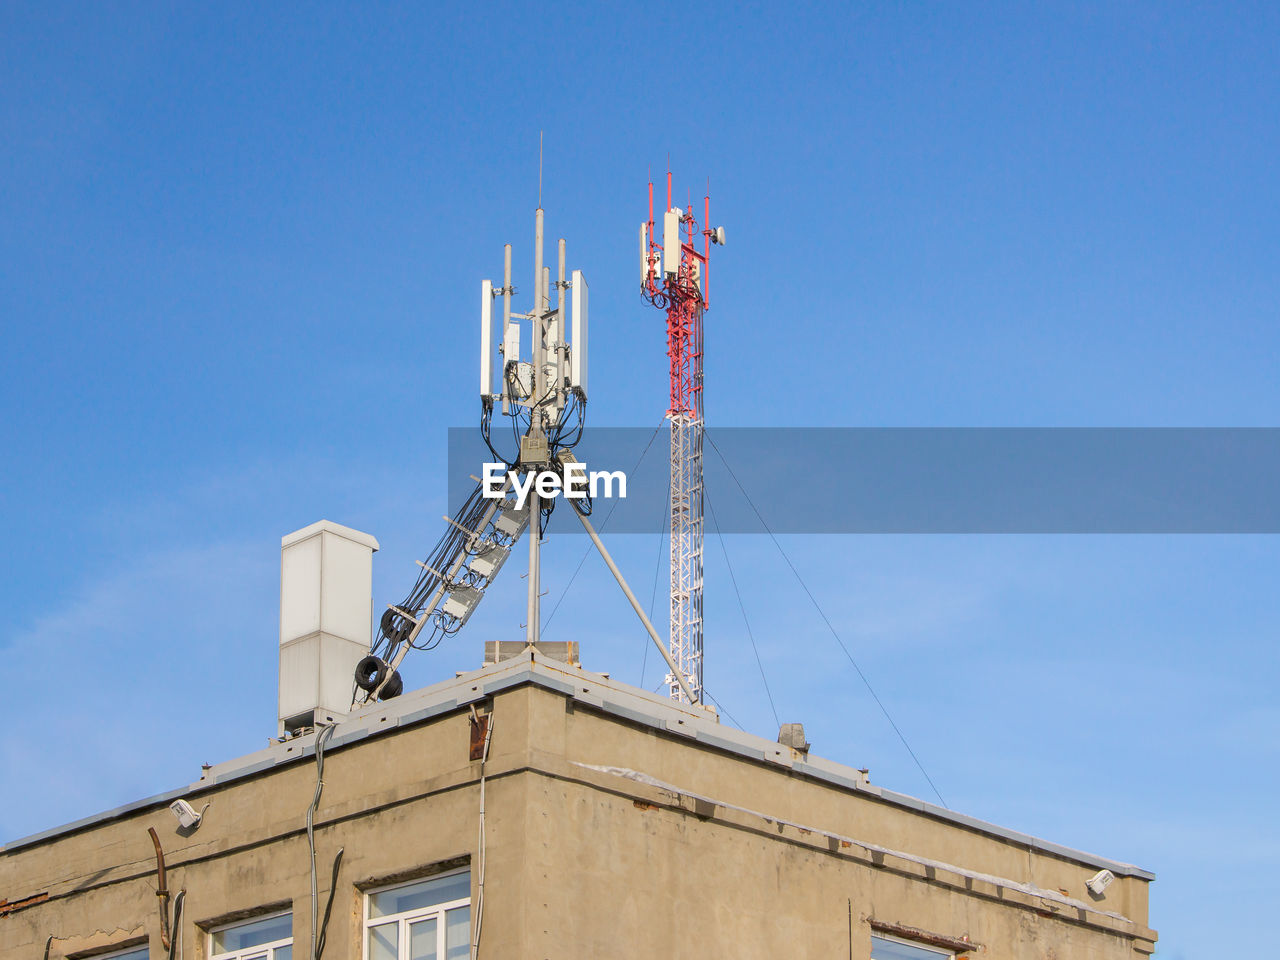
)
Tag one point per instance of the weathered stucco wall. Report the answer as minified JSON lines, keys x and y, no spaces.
{"x":595,"y":827}
{"x":771,"y":861}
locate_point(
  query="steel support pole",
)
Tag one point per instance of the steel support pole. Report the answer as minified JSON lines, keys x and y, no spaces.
{"x":635,"y":604}
{"x":533,"y":611}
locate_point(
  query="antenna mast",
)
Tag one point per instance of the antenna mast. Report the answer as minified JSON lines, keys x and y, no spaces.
{"x":675,"y":277}
{"x":545,"y":397}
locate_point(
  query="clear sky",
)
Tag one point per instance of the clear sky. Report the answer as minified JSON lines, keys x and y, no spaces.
{"x":240,"y":251}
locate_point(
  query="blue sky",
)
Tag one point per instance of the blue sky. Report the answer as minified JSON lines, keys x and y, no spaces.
{"x":239,"y":259}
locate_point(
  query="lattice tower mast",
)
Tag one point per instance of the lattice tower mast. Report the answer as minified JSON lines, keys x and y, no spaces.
{"x":675,"y":276}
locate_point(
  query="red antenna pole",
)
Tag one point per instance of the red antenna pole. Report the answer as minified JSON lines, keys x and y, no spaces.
{"x":706,"y":246}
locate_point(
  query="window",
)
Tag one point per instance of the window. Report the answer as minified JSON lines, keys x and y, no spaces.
{"x":891,"y":948}
{"x":426,"y":920}
{"x":267,"y":938}
{"x":132,"y":953}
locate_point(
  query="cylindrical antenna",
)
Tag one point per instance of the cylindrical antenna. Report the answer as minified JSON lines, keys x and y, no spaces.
{"x":539,"y":298}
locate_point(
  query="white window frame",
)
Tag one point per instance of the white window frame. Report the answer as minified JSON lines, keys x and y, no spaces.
{"x":402,"y":920}
{"x":266,"y":950}
{"x":943,"y":954}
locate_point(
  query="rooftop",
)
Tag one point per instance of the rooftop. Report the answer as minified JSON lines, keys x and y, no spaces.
{"x":598,"y":692}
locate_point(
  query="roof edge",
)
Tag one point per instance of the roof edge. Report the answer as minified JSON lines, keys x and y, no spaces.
{"x":597,"y":691}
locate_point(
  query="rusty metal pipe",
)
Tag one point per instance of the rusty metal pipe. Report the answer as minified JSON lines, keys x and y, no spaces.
{"x":162,"y":890}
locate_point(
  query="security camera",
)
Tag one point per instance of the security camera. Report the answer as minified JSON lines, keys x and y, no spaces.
{"x":186,"y":814}
{"x":1099,"y":882}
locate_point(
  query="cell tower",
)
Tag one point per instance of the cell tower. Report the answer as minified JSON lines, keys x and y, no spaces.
{"x":675,"y":277}
{"x":545,"y":398}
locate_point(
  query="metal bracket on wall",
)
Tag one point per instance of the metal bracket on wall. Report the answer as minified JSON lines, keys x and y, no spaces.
{"x":479,"y":730}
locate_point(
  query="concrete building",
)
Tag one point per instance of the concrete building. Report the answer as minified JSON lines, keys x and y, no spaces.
{"x":549,"y":812}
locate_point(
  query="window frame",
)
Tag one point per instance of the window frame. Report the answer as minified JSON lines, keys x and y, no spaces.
{"x":145,"y":947}
{"x":269,"y":949}
{"x":404,"y":918}
{"x":942,"y":952}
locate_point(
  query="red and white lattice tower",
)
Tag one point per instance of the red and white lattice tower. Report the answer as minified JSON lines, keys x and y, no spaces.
{"x":675,"y":279}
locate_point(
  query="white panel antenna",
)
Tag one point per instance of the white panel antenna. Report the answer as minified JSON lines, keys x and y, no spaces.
{"x":644,"y":252}
{"x":578,"y":367}
{"x":553,"y":333}
{"x":671,"y":240}
{"x":486,"y":338}
{"x":510,"y":352}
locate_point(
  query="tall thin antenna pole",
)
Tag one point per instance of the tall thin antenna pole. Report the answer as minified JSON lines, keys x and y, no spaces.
{"x":532,"y":626}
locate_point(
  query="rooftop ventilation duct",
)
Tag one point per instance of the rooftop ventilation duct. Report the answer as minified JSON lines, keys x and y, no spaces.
{"x":326,"y":607}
